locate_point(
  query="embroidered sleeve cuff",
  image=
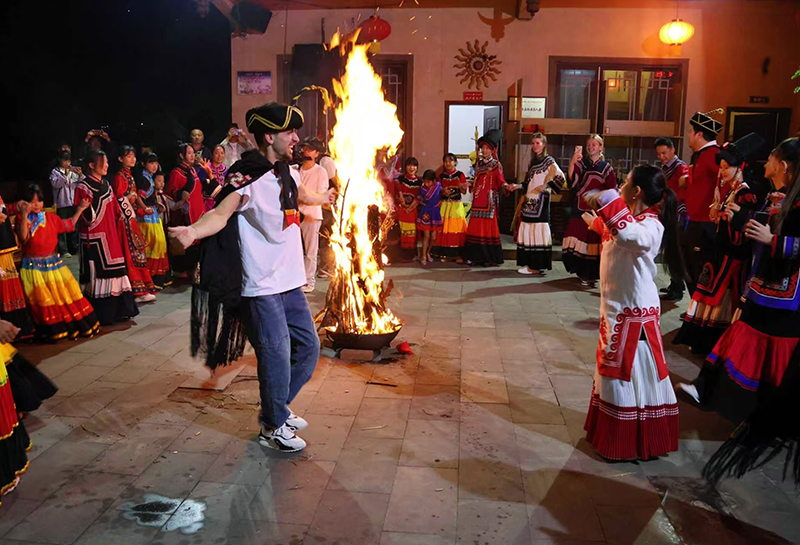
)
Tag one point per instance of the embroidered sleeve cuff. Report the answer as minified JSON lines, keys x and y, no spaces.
{"x":789,"y":247}
{"x":613,"y":211}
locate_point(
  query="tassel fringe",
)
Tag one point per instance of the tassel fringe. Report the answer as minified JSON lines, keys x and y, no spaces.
{"x":220,"y":343}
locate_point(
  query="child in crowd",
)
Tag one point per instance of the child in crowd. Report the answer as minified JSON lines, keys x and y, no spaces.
{"x":453,"y":210}
{"x":59,"y":309}
{"x":406,"y":199}
{"x":165,"y":206}
{"x":429,"y":218}
{"x":150,"y":224}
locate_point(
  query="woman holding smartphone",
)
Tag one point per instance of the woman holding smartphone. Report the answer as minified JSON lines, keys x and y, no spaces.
{"x":749,"y":361}
{"x":581,"y":247}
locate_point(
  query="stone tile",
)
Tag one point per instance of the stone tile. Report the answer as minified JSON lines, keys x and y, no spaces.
{"x":46,"y":432}
{"x":224,"y":523}
{"x":446,"y":348}
{"x":219,"y":380}
{"x":172,"y":413}
{"x":560,"y":507}
{"x":478,"y":387}
{"x":430,"y":443}
{"x":133,"y":454}
{"x":116,"y":354}
{"x":209,"y":433}
{"x":91,"y":399}
{"x":243,"y":461}
{"x":423,"y":500}
{"x":69,"y":512}
{"x":524,"y":373}
{"x":542,"y":446}
{"x":15,"y":510}
{"x":402,"y":538}
{"x":111,"y":527}
{"x":55,"y":467}
{"x":341,"y":398}
{"x":172,"y":475}
{"x":402,"y":379}
{"x":381,"y":418}
{"x":325,"y":435}
{"x":350,"y":371}
{"x":349,"y":517}
{"x":477,"y":319}
{"x":60,"y":363}
{"x":623,"y":525}
{"x":134,"y":370}
{"x":519,"y":349}
{"x":534,"y":406}
{"x":291,"y":492}
{"x":72,"y":381}
{"x":439,"y":371}
{"x":436,"y":402}
{"x":513,"y":330}
{"x":564,"y":362}
{"x":493,"y":523}
{"x":367,"y":465}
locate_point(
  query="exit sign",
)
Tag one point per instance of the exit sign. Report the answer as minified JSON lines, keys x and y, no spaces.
{"x":473,"y":96}
{"x":759,"y":100}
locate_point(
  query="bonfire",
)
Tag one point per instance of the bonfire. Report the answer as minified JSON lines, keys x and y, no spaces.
{"x":356,"y":303}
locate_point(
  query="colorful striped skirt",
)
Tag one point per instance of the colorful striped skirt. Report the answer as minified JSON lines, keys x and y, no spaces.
{"x":14,"y":440}
{"x":454,"y":229}
{"x":156,"y":250}
{"x":12,"y":298}
{"x":57,"y":304}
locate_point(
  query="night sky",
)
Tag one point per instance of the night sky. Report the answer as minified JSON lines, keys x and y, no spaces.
{"x":148,"y":70}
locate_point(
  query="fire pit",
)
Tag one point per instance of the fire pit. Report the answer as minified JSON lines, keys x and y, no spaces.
{"x":356,"y":314}
{"x":361,"y":341}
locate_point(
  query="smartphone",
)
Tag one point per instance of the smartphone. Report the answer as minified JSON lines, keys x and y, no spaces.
{"x":762,"y":217}
{"x":579,"y":149}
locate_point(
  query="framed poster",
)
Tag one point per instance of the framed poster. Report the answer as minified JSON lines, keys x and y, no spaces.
{"x":532,"y":108}
{"x":254,"y":83}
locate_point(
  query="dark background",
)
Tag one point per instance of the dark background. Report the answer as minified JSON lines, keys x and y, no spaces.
{"x":148,"y":71}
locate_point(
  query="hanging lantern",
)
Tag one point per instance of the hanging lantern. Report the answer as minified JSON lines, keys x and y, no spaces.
{"x":374,"y":29}
{"x":676,"y":32}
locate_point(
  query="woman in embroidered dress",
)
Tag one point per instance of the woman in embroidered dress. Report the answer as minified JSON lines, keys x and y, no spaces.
{"x":14,"y":440}
{"x":133,"y":241}
{"x":581,"y":246}
{"x":184,"y":185}
{"x":633,"y":413}
{"x":150,"y":224}
{"x":718,"y":288}
{"x":748,"y":362}
{"x":104,"y":275}
{"x":429,"y":218}
{"x":12,"y":297}
{"x":56,"y":302}
{"x":532,"y":220}
{"x":453,"y":210}
{"x":482,"y":242}
{"x":407,"y":189}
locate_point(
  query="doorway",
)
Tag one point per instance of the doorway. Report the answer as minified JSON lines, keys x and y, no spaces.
{"x":465,"y":122}
{"x":772,"y":124}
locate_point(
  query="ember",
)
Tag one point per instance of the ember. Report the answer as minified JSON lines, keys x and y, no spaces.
{"x":365,"y":123}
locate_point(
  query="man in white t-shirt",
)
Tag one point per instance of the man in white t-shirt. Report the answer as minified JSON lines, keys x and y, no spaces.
{"x":314,"y":178}
{"x":275,"y":311}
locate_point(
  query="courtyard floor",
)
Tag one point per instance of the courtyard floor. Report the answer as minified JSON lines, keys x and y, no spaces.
{"x":476,"y":439}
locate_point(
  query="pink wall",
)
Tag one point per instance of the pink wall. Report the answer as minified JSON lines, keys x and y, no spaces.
{"x":731,"y":40}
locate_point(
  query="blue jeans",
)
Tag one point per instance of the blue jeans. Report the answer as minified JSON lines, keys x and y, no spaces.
{"x":281,"y":330}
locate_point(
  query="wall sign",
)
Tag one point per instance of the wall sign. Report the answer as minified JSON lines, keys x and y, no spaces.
{"x":473,"y":96}
{"x":532,"y":108}
{"x":254,"y":83}
{"x":759,"y":100}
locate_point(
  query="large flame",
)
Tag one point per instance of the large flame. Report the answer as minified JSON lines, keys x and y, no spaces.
{"x":365,"y":123}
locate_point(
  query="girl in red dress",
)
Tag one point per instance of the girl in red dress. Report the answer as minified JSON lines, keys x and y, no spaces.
{"x":59,"y":309}
{"x":133,"y":241}
{"x":406,"y":199}
{"x":184,"y":185}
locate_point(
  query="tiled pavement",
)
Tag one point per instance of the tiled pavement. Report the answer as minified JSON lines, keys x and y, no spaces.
{"x":480,"y":441}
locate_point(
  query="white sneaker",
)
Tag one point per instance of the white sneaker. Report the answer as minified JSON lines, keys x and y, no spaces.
{"x":146,"y":298}
{"x":282,"y":439}
{"x":296,"y":422}
{"x":524,"y":270}
{"x":67,"y":255}
{"x":690,"y":389}
{"x":307,"y":289}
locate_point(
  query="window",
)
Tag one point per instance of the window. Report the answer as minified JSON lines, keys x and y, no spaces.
{"x":629,"y":102}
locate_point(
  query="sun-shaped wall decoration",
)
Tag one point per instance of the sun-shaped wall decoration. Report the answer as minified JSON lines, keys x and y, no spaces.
{"x":476,"y":66}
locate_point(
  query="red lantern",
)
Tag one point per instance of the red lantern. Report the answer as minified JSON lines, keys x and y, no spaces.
{"x":374,"y":29}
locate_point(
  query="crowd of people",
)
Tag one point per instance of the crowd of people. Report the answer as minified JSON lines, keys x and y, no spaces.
{"x":728,"y":237}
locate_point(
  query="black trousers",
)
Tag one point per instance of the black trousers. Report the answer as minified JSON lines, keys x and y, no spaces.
{"x":67,"y":242}
{"x":697,"y":243}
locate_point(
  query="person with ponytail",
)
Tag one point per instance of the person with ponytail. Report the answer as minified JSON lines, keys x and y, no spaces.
{"x":749,"y":361}
{"x":716,"y":295}
{"x":633,"y":412}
